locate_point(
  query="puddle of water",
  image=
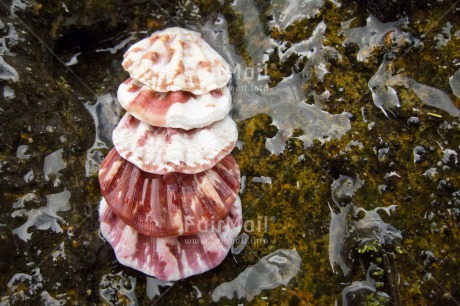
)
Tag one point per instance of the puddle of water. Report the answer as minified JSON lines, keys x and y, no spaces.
{"x":454,"y":82}
{"x":285,"y":102}
{"x":377,"y":35}
{"x":445,"y":36}
{"x":106,"y":114}
{"x":118,"y":289}
{"x":354,"y":229}
{"x":43,"y":218}
{"x":273,"y":270}
{"x":52,"y":165}
{"x":385,"y":96}
{"x":153,"y":285}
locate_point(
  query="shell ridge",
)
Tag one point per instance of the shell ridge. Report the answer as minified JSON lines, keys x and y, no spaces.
{"x":170,"y":258}
{"x":161,"y":150}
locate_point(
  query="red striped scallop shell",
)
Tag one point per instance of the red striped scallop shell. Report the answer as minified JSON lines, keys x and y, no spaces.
{"x":176,"y":109}
{"x":162,"y":150}
{"x":170,"y":258}
{"x":172,"y":204}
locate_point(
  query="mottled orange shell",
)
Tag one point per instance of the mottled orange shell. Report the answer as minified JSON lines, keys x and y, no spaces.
{"x":177,"y":59}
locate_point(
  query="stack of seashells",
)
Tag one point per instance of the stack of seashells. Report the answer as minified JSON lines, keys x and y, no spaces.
{"x":170,"y":207}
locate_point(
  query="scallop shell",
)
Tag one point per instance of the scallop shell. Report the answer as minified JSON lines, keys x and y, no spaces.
{"x":176,"y":109}
{"x":162,"y":150}
{"x":177,"y":59}
{"x":170,"y":258}
{"x":172,"y":204}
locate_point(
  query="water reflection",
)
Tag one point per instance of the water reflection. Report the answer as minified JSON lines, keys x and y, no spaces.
{"x":361,"y":237}
{"x":273,"y":270}
{"x":285,"y":102}
{"x":152,"y":287}
{"x":118,"y":289}
{"x":106,"y":114}
{"x":43,"y":218}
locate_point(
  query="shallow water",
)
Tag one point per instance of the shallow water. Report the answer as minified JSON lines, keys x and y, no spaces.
{"x":348,"y":149}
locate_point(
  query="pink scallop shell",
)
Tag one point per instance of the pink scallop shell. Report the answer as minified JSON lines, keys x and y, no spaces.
{"x":172,"y":204}
{"x":162,"y":150}
{"x":176,"y":109}
{"x":177,"y":59}
{"x":170,"y":258}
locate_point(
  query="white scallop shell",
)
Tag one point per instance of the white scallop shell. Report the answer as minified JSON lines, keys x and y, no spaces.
{"x":170,"y":258}
{"x":161,"y":150}
{"x":177,"y":59}
{"x":177,"y":109}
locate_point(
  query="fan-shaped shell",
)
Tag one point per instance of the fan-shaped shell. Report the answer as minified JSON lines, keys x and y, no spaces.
{"x":177,"y":59}
{"x":170,"y":258}
{"x":163,"y":150}
{"x":176,"y":109}
{"x":172,"y":204}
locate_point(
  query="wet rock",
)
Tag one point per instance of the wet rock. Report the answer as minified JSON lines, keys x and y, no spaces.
{"x":6,"y":252}
{"x":414,"y":121}
{"x":428,"y":258}
{"x":118,"y":289}
{"x":419,"y":153}
{"x":385,"y":10}
{"x":270,"y":272}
